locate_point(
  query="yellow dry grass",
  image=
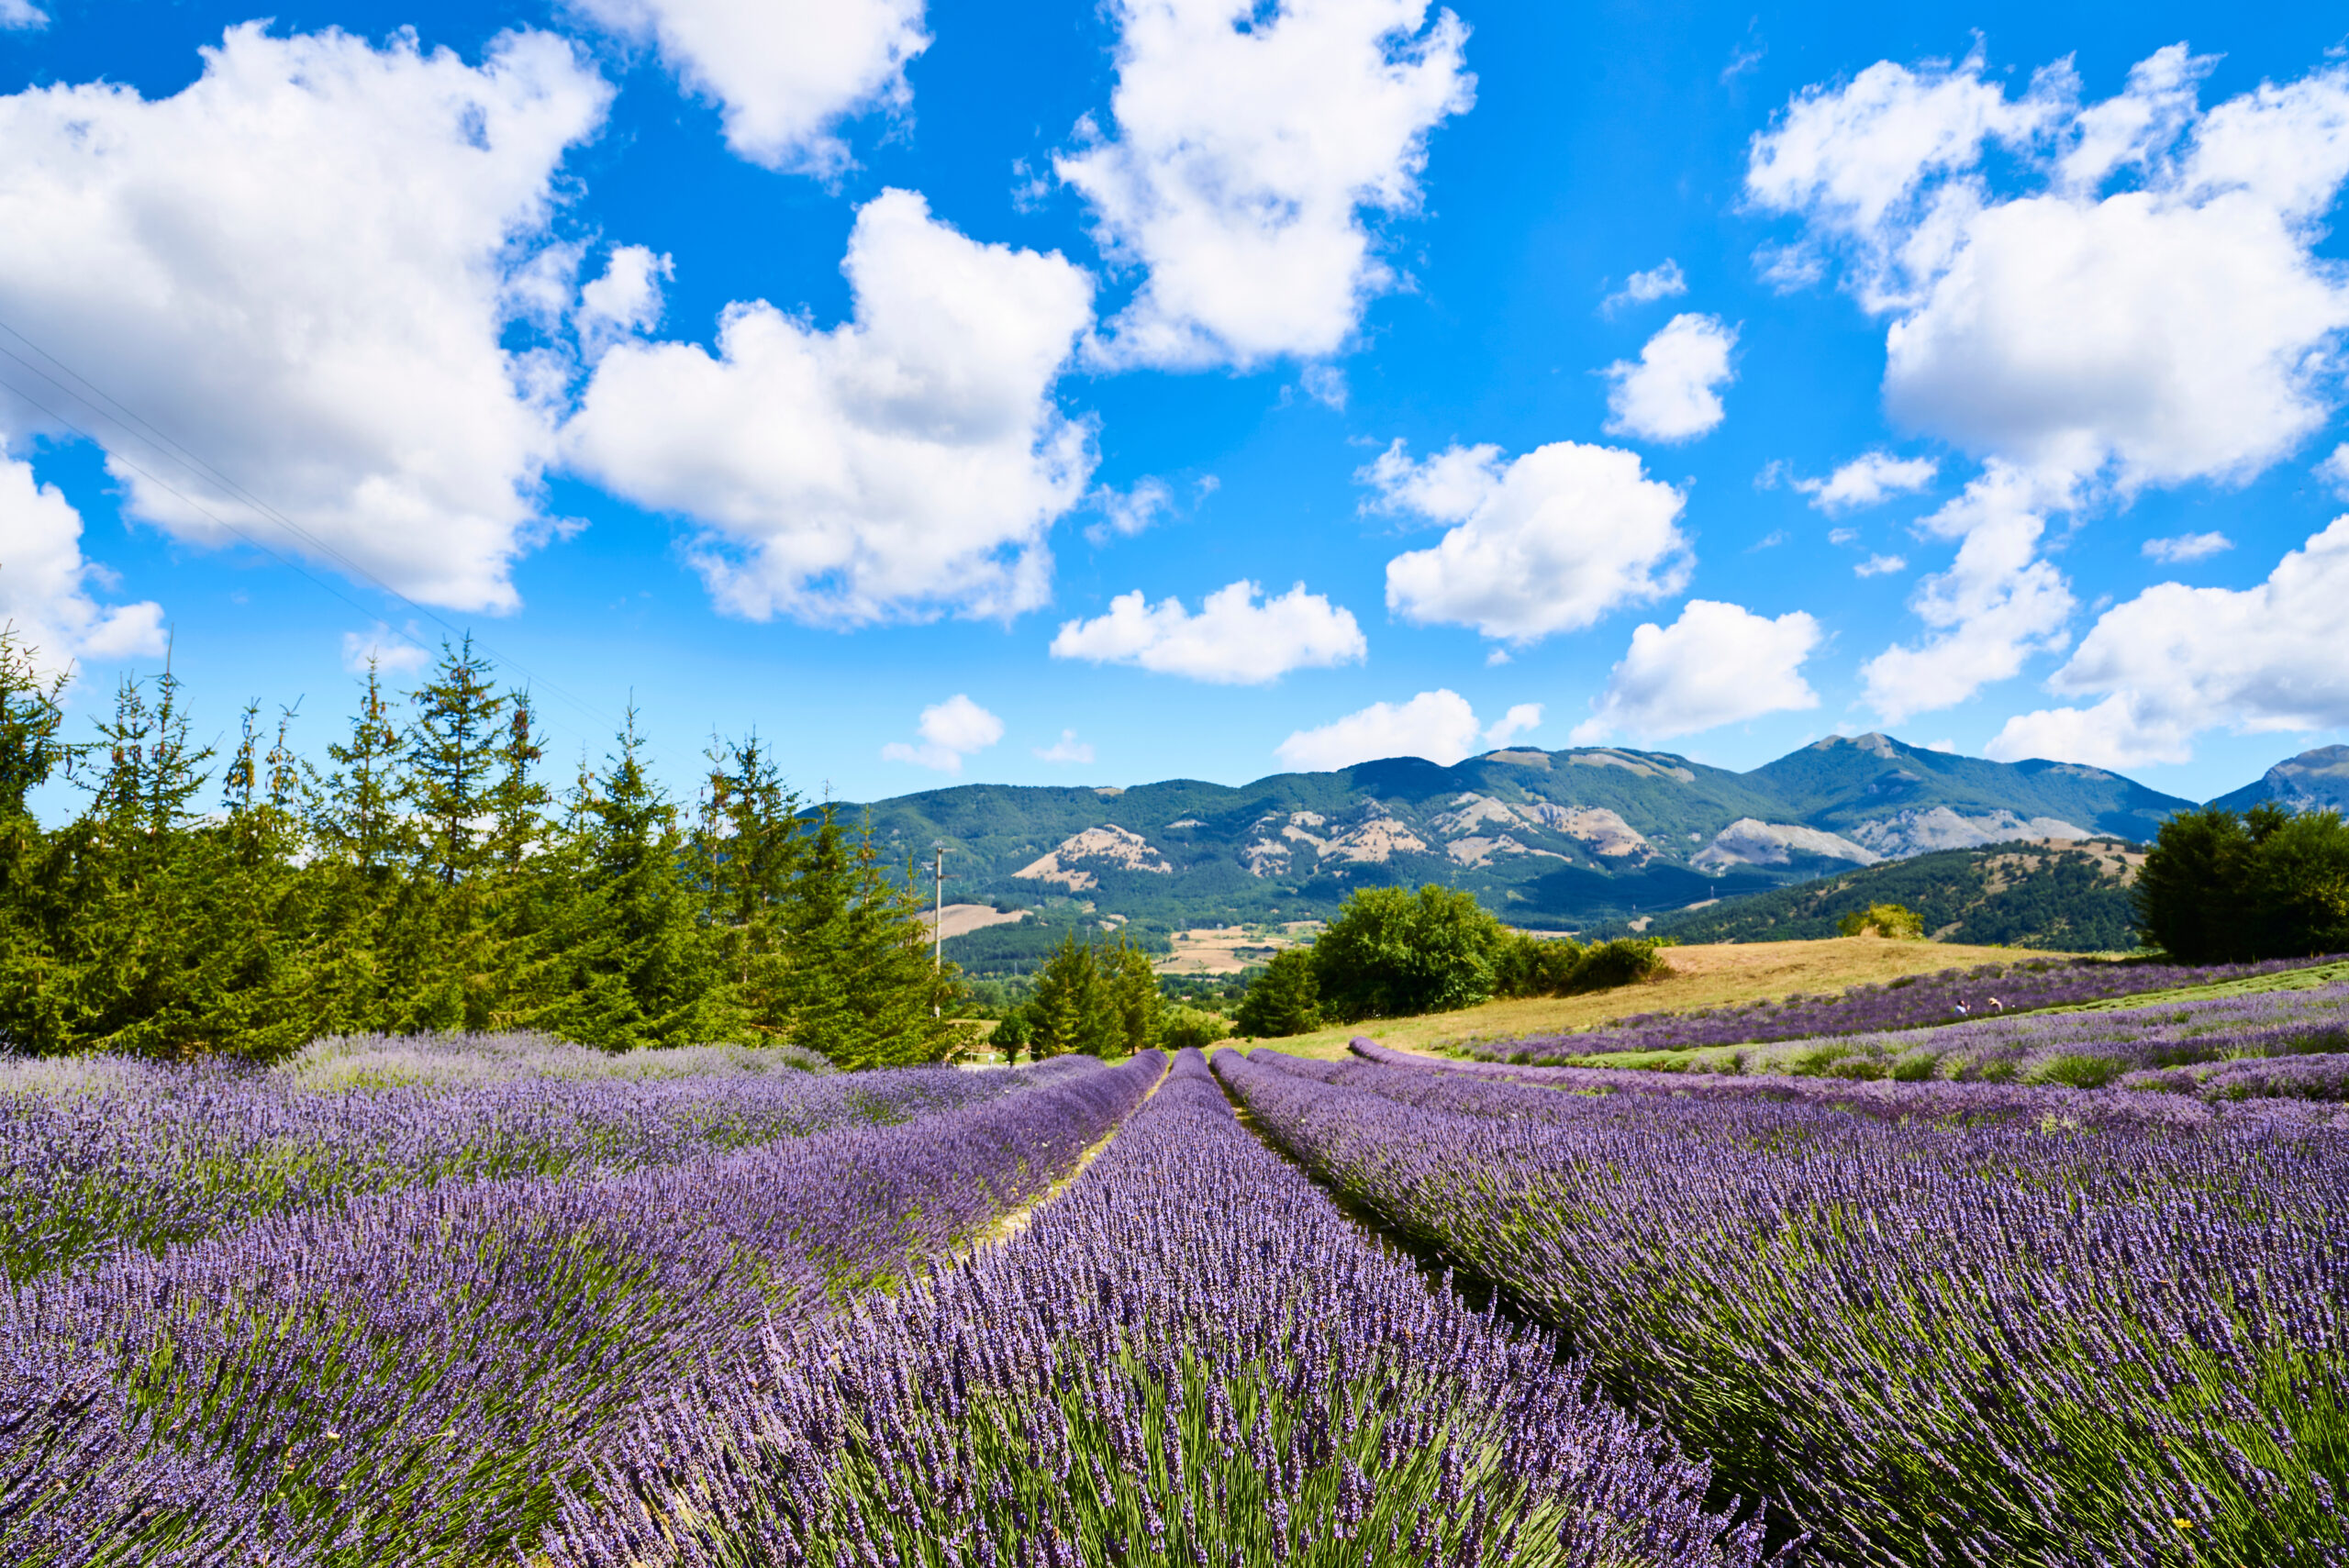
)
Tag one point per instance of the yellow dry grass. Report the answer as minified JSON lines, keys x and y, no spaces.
{"x":1704,"y":976}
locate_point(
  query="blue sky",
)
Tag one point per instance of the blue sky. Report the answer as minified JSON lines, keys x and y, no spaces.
{"x":1693,"y":377}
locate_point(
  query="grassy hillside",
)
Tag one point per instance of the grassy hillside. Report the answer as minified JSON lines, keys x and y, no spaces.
{"x":2031,"y":894}
{"x":1699,"y":977}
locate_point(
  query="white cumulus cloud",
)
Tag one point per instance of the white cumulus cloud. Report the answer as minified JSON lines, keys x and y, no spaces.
{"x":45,"y":583}
{"x":301,"y":267}
{"x":2175,"y":660}
{"x":22,"y":14}
{"x":1438,"y":725}
{"x":1719,"y":663}
{"x":1663,"y":282}
{"x":2141,"y":303}
{"x":1067,"y":748}
{"x":1868,"y":479}
{"x":907,"y":463}
{"x":1996,"y":605}
{"x":1251,"y":144}
{"x":1232,"y":641}
{"x":1881,"y":565}
{"x":386,"y":650}
{"x":1668,"y":394}
{"x":950,"y":732}
{"x":783,"y":73}
{"x":2185,"y":547}
{"x":625,"y":299}
{"x":1523,"y":718}
{"x":2334,"y":469}
{"x":1548,"y":543}
{"x":1130,"y":512}
{"x":2152,"y":308}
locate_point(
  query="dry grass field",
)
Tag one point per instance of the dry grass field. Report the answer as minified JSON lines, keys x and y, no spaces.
{"x":1701,"y":977}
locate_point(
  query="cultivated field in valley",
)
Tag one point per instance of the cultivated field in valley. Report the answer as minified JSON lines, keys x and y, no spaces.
{"x":1721,"y":975}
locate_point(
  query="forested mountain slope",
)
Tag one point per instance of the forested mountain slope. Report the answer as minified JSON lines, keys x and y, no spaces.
{"x":2069,"y":895}
{"x":1559,"y":839}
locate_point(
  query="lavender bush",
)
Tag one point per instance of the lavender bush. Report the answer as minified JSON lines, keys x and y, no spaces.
{"x":2323,"y":1078}
{"x":409,"y":1377}
{"x":1910,"y":1002}
{"x":96,"y":1154}
{"x":378,"y":1060}
{"x":2008,"y":1343}
{"x":1189,"y":1357}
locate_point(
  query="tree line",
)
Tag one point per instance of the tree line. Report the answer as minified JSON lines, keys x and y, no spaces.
{"x":1392,"y":953}
{"x":2225,"y":887}
{"x":431,"y":878}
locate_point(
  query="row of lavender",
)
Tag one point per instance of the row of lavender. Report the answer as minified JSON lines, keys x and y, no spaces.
{"x":1189,"y":1357}
{"x":97,"y":1154}
{"x":1890,"y":1100}
{"x":2265,"y":1045}
{"x":1910,"y":1002}
{"x":412,"y":1376}
{"x":1987,"y":1344}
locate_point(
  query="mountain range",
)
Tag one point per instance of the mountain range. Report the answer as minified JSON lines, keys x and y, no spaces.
{"x":1579,"y":838}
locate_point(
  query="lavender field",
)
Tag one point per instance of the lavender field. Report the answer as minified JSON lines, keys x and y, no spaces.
{"x":498,"y":1300}
{"x":2016,"y":1340}
{"x":1910,"y":1002}
{"x":2255,"y":1051}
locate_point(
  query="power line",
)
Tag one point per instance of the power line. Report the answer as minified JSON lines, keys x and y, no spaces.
{"x":129,"y":420}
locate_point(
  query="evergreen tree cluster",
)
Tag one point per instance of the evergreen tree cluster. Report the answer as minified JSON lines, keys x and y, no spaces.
{"x":1090,"y":999}
{"x":1392,"y":953}
{"x":428,"y":878}
{"x":2219,"y":887}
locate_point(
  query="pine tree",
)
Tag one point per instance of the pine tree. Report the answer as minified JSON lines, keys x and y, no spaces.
{"x":1283,"y":1000}
{"x":641,"y":968}
{"x":136,"y":878}
{"x":31,"y":717}
{"x":748,"y":851}
{"x":452,"y":756}
{"x":1133,"y":994}
{"x":359,"y":818}
{"x":862,"y":989}
{"x":1073,"y":1010}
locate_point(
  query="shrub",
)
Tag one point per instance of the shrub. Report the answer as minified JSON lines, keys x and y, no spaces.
{"x":1892,"y":920}
{"x":1526,"y":965}
{"x":1284,"y":998}
{"x":1192,"y":1027}
{"x":1390,"y":954}
{"x":1623,"y":961}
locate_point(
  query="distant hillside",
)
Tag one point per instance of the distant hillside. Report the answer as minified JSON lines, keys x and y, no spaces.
{"x":2313,"y":781}
{"x":1547,"y":839}
{"x":2055,"y":893}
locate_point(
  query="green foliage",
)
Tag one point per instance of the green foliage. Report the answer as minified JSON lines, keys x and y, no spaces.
{"x":1625,"y":960}
{"x":1192,"y":1027}
{"x":423,"y":883}
{"x":1892,"y":920}
{"x":1526,"y":965}
{"x":1096,"y":1000}
{"x":2219,"y":888}
{"x":1391,"y":953}
{"x":1013,"y":1034}
{"x":1285,"y":998}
